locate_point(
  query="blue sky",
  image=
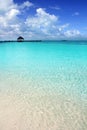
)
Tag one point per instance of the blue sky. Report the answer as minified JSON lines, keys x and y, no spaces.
{"x":40,"y":19}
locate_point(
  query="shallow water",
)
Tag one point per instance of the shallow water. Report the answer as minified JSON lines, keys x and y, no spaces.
{"x":43,"y":86}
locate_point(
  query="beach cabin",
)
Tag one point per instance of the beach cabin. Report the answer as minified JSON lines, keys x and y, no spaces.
{"x":20,"y":39}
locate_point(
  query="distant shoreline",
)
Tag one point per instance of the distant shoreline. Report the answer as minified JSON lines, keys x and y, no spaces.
{"x":21,"y":41}
{"x":5,"y":41}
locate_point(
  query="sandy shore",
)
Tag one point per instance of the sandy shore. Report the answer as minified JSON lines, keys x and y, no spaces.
{"x":26,"y":104}
{"x":26,"y":111}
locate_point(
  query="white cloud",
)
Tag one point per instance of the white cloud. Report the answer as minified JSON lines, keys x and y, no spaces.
{"x":42,"y":25}
{"x":7,"y":5}
{"x":72,"y":33}
{"x":42,"y":22}
{"x":12,"y":13}
{"x":42,"y":13}
{"x":9,"y":18}
{"x":26,"y":4}
{"x":8,"y":13}
{"x":63,"y":26}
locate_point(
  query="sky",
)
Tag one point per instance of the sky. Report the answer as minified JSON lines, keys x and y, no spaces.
{"x":43,"y":19}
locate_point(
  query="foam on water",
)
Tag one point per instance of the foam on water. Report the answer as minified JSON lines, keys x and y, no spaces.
{"x":43,"y":86}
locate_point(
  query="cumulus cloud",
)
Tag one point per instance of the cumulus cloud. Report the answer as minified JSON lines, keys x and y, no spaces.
{"x":7,"y":5}
{"x":26,"y":4}
{"x":12,"y":13}
{"x":8,"y":12}
{"x":42,"y":20}
{"x":41,"y":25}
{"x":62,"y":27}
{"x":72,"y":33}
{"x":10,"y":22}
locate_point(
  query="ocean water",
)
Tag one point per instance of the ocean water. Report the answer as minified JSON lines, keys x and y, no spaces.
{"x":43,"y":86}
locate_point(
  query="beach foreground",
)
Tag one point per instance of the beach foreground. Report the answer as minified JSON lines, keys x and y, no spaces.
{"x":43,"y":87}
{"x":39,"y":112}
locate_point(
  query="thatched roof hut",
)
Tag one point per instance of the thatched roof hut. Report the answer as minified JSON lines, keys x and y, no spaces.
{"x":20,"y":39}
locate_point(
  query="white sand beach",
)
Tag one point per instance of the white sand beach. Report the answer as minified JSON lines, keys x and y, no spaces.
{"x":40,"y":111}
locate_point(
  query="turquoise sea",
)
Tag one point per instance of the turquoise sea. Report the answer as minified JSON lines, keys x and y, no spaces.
{"x":43,"y":85}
